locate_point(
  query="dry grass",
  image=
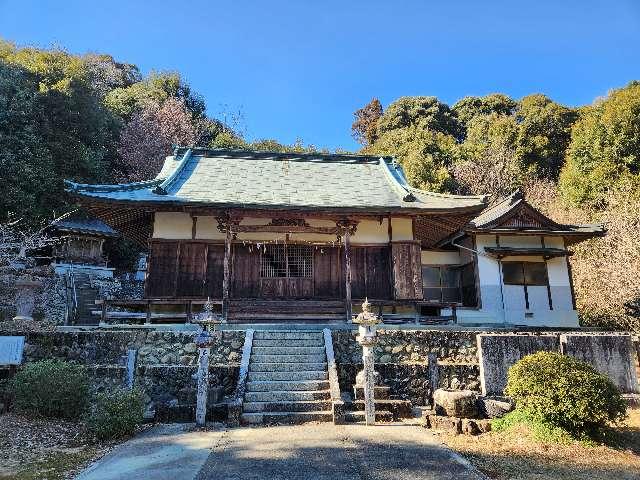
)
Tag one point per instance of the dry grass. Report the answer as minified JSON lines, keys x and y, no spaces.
{"x":43,"y":449}
{"x":515,"y":455}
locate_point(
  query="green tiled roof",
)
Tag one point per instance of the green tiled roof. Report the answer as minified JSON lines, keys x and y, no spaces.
{"x":263,"y":180}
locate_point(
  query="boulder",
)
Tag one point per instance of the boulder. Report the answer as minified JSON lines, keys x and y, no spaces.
{"x":494,"y":407}
{"x":471,"y":426}
{"x":455,"y":403}
{"x":444,"y":424}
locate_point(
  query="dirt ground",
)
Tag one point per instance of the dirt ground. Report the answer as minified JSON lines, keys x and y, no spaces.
{"x":514,"y":455}
{"x":43,"y":449}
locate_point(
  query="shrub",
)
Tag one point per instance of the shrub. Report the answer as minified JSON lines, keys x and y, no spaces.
{"x":565,"y":392}
{"x":52,"y":388}
{"x":116,"y":414}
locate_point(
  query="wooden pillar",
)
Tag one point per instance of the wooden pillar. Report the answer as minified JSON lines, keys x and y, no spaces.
{"x":347,"y":273}
{"x":226,"y":281}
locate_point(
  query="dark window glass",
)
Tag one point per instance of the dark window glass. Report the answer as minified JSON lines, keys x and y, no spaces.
{"x":524,"y":273}
{"x":512,"y":273}
{"x":431,"y":276}
{"x":432,"y":294}
{"x":535,"y":273}
{"x":441,"y":284}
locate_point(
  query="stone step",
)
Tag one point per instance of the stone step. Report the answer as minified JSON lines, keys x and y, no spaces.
{"x":290,"y":376}
{"x":287,"y":366}
{"x":398,"y":408}
{"x":380,"y":392}
{"x":288,"y":358}
{"x":309,"y":406}
{"x":358,"y":417}
{"x":284,"y":385}
{"x":294,"y":342}
{"x":287,"y":396}
{"x":285,"y":417}
{"x":288,"y":334}
{"x":287,"y":350}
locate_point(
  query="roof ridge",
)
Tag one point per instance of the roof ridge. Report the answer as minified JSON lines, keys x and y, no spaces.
{"x":337,"y":157}
{"x":118,"y":187}
{"x":449,"y":195}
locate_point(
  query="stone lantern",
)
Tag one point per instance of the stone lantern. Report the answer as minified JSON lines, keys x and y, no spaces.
{"x":367,"y":322}
{"x":25,"y":298}
{"x":209,"y":320}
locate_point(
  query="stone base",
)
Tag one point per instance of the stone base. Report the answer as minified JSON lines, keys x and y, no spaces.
{"x":455,"y":403}
{"x":455,"y":425}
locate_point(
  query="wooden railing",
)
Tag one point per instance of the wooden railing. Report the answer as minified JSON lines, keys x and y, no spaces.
{"x":147,"y":314}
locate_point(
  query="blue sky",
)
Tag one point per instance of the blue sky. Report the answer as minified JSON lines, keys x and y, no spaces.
{"x":299,"y":69}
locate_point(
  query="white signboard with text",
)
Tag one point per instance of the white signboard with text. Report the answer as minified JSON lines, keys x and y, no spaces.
{"x":11,"y":350}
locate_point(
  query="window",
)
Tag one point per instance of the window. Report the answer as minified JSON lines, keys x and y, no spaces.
{"x":525,"y":273}
{"x":277,"y":261}
{"x":441,"y":284}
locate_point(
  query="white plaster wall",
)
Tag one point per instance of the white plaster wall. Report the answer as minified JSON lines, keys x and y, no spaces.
{"x":207,"y":229}
{"x":177,"y":225}
{"x":434,"y":257}
{"x":372,"y":231}
{"x":172,"y":225}
{"x":493,"y":297}
{"x":402,"y":228}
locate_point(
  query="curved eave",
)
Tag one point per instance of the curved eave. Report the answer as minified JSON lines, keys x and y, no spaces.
{"x":168,"y":201}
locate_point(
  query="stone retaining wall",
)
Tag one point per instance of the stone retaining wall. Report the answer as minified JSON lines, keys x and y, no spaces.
{"x":110,"y":347}
{"x":402,"y":361}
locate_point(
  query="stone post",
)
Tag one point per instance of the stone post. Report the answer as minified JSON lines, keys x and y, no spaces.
{"x":367,"y":322}
{"x":25,"y":298}
{"x":203,"y":340}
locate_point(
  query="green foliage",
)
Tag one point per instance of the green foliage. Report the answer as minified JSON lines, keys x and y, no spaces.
{"x":52,"y":388}
{"x":425,"y":155}
{"x":544,"y":132}
{"x":116,"y":414}
{"x":420,"y":113}
{"x":467,"y":108}
{"x":604,"y":148}
{"x":157,"y":88}
{"x":122,"y":254}
{"x":564,"y":392}
{"x":540,"y":428}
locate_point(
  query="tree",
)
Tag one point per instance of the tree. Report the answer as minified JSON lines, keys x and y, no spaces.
{"x":364,"y":126}
{"x":544,"y":133}
{"x":489,"y":163}
{"x":425,"y":155}
{"x":426,"y":113}
{"x":149,"y":136}
{"x":467,"y":108}
{"x":158,"y":87}
{"x":604,"y":148}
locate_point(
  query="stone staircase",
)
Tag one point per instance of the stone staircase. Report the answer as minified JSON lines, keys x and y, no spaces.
{"x":287,"y":380}
{"x":86,"y":295}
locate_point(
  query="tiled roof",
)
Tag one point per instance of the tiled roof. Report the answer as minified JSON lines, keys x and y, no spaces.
{"x":89,"y":226}
{"x":492,"y":217}
{"x":247,"y":179}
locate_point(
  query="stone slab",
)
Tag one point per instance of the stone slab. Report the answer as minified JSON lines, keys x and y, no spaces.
{"x":11,"y":349}
{"x":497,"y":353}
{"x":612,"y":355}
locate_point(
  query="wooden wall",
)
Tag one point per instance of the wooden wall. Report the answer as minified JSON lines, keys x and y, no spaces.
{"x":186,"y":268}
{"x":407,"y":270}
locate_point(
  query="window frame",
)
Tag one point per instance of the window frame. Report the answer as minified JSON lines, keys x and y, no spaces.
{"x":524,"y":283}
{"x":440,"y":268}
{"x":308,"y":272}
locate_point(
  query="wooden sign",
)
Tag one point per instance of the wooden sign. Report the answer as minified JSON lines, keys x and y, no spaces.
{"x":11,"y":349}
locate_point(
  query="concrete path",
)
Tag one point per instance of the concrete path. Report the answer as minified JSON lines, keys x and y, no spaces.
{"x":165,"y":452}
{"x":308,"y":452}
